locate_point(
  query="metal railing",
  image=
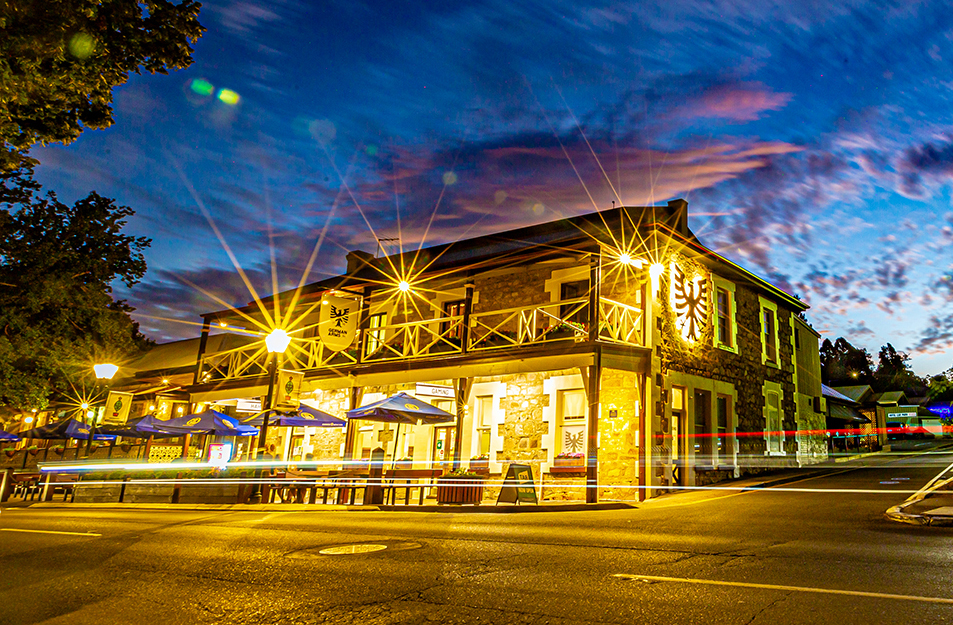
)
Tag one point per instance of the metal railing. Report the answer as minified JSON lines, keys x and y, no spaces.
{"x":496,"y":329}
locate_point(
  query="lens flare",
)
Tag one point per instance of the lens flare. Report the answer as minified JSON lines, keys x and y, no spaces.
{"x":228,"y":96}
{"x":202,"y":87}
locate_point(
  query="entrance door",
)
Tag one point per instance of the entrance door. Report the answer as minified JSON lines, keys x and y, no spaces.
{"x":680,"y":438}
{"x":444,"y":439}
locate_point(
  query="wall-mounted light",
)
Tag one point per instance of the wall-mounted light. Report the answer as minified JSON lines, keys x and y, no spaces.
{"x":403,"y":286}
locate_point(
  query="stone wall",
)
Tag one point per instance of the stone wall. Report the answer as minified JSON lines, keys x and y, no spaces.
{"x":743,"y":370}
{"x":620,"y":396}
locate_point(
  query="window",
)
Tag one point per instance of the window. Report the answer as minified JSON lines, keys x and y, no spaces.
{"x":772,"y":417}
{"x":572,"y":417}
{"x":701,"y":436}
{"x":453,"y":329}
{"x":577,"y":312}
{"x":679,"y":433}
{"x":797,"y":339}
{"x":723,"y":310}
{"x":375,"y":332}
{"x":769,"y":332}
{"x":484,"y":424}
{"x":726,"y":328}
{"x":722,"y":421}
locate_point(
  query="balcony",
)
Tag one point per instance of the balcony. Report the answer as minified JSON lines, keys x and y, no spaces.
{"x":518,"y":327}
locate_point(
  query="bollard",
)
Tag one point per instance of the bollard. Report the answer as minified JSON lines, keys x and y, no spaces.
{"x":6,"y":484}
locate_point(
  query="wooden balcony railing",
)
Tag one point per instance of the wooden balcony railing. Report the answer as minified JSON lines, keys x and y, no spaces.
{"x":497,"y":329}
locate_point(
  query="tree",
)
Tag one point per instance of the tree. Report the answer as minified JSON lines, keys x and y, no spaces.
{"x":57,"y":314}
{"x":894,"y":374}
{"x":60,"y":59}
{"x":842,"y":364}
{"x":941,"y":387}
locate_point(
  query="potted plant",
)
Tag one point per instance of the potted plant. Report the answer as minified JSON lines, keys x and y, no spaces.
{"x":58,"y":450}
{"x":125,"y":447}
{"x":33,"y":450}
{"x":570,"y":459}
{"x":460,"y":487}
{"x":480,"y":463}
{"x":10,"y":451}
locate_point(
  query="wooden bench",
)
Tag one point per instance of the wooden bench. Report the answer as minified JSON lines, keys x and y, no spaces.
{"x":409,"y":479}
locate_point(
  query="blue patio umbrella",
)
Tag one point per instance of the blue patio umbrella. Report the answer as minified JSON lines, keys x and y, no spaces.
{"x":65,"y":429}
{"x":143,"y":427}
{"x":7,"y":436}
{"x":303,"y":416}
{"x":401,"y":408}
{"x":208,"y":422}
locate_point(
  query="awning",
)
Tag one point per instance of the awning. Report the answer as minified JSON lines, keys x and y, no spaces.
{"x":846,"y":414}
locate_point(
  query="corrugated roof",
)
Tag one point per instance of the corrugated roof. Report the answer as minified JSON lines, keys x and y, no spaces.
{"x":846,"y":413}
{"x":858,"y":393}
{"x":180,"y":354}
{"x":891,"y":397}
{"x":830,"y":393}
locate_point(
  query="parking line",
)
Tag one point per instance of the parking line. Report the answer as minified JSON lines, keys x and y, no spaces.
{"x":825,"y":591}
{"x":12,"y":529}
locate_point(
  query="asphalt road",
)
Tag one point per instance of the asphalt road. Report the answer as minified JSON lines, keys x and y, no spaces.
{"x":811,"y":551}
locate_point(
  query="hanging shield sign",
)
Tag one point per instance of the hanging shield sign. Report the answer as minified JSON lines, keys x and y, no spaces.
{"x":288,"y":389}
{"x":337,"y":323}
{"x":117,"y":407}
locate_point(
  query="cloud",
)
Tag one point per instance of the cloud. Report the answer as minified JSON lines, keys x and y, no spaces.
{"x":937,"y":338}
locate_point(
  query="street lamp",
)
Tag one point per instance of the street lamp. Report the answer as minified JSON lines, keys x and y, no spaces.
{"x":276,"y":343}
{"x":104,"y":373}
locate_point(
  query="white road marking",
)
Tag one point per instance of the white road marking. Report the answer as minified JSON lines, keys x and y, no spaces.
{"x":11,"y":529}
{"x":825,"y":591}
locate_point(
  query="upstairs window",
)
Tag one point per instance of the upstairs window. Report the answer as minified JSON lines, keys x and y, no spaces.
{"x":577,"y":312}
{"x":769,"y":332}
{"x":375,"y":332}
{"x":723,"y":310}
{"x":726,"y":327}
{"x":453,"y":329}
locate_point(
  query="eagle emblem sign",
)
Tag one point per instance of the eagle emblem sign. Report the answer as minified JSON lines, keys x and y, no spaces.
{"x":690,"y":301}
{"x":337,"y":322}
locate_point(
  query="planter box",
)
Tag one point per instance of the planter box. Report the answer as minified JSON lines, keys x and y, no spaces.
{"x":480,"y":466}
{"x":576,"y":463}
{"x":209,"y":493}
{"x":148,"y":493}
{"x":96,"y":493}
{"x":459,"y":490}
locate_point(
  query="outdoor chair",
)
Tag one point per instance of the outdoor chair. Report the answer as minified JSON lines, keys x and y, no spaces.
{"x":408,"y":480}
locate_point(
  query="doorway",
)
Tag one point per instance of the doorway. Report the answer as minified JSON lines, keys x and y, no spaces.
{"x":444,"y":440}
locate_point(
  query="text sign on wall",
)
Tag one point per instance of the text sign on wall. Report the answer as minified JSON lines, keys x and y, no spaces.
{"x":433,"y":390}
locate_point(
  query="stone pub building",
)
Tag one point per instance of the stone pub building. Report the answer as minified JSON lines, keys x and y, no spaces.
{"x":613,"y":352}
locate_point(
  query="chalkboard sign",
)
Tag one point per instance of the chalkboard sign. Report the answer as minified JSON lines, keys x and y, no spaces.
{"x":518,"y":486}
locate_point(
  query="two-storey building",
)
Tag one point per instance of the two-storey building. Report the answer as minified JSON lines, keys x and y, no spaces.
{"x":612,"y":351}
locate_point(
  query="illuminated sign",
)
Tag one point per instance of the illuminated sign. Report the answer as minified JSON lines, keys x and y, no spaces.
{"x":689,"y":300}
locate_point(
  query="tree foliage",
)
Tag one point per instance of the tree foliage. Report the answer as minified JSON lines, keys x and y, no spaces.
{"x":941,"y":386}
{"x":60,"y":59}
{"x":842,"y":364}
{"x":57,"y":314}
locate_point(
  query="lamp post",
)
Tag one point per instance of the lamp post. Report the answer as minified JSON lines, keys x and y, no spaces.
{"x":104,"y":373}
{"x":276,"y":343}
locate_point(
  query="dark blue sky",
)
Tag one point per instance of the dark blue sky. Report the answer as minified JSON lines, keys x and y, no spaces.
{"x":813,"y":141}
